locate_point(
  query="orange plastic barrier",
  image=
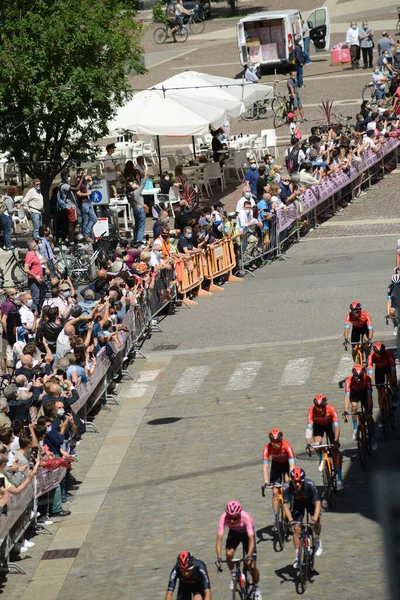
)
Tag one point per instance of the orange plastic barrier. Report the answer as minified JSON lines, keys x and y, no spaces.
{"x":189,"y":274}
{"x":219,"y":259}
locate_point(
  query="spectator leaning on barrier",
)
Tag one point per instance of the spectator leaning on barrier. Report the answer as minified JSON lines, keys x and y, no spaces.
{"x":310,"y":176}
{"x":251,"y":176}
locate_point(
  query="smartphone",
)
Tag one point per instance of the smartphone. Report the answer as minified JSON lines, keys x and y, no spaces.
{"x":2,"y":482}
{"x":147,"y":237}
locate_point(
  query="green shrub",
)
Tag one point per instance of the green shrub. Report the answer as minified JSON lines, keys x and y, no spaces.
{"x":159,"y":15}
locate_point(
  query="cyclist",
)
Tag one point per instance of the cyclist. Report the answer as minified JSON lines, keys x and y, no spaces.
{"x":172,"y":21}
{"x":241,"y":531}
{"x":194,"y":582}
{"x":385,"y":364}
{"x":393,"y":299}
{"x":278,"y":461}
{"x":301,"y":495}
{"x":323,"y":419}
{"x":358,"y":388}
{"x":362,"y":327}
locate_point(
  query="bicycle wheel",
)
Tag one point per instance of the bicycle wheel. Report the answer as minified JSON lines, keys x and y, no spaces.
{"x":160,"y":35}
{"x":276,"y":103}
{"x":280,"y":116}
{"x":251,"y":113}
{"x":368,"y":93}
{"x":19,"y":277}
{"x":238,"y":592}
{"x":280,"y":526}
{"x":196,"y":25}
{"x":181,"y":35}
{"x":303,"y":565}
{"x":385,"y":417}
{"x":398,"y":27}
{"x":327,"y":479}
{"x":362,"y":445}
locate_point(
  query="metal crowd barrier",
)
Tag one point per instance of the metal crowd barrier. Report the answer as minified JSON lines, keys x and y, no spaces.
{"x":21,"y":508}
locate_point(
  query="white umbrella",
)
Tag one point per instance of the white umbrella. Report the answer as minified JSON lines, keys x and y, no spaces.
{"x":236,"y":95}
{"x":154,"y":113}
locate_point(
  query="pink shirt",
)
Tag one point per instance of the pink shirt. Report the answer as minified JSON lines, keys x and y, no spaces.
{"x":245,"y":524}
{"x":32,"y":261}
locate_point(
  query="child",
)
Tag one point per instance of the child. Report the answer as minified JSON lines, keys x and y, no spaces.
{"x":294,"y":126}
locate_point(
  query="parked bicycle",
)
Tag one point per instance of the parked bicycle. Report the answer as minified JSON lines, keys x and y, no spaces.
{"x":329,"y":477}
{"x":78,"y":264}
{"x":281,"y":522}
{"x":257,"y":110}
{"x":243,"y":589}
{"x":281,"y":106}
{"x":16,"y":267}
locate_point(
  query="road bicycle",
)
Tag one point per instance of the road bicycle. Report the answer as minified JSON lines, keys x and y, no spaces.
{"x":306,"y":555}
{"x":243,"y":589}
{"x":77,"y":264}
{"x":163,"y":33}
{"x":281,"y":111}
{"x":329,"y":476}
{"x":362,"y":351}
{"x":387,"y":412}
{"x":363,"y":435}
{"x":17,"y":271}
{"x":281,"y":522}
{"x":257,"y":110}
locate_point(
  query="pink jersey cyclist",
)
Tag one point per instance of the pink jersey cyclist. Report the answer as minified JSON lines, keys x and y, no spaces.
{"x":244,"y":525}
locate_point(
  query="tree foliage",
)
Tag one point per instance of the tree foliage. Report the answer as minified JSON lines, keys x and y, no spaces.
{"x":64,"y":70}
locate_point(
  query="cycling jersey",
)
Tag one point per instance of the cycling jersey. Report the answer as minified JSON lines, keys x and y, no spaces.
{"x":394,"y":295}
{"x":352,"y":385}
{"x":382,"y":361}
{"x":244,"y":525}
{"x":198,"y":575}
{"x":307,"y":496}
{"x":283,"y":454}
{"x":326,"y":418}
{"x":364,"y":320}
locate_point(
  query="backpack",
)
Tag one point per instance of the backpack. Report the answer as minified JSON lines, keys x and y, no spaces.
{"x":61,"y":203}
{"x":292,"y":160}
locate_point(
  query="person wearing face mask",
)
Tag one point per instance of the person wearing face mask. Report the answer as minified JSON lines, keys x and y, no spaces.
{"x":366,"y":37}
{"x":28,"y":318}
{"x":353,"y":40}
{"x":156,"y":256}
{"x":163,"y":241}
{"x":379,"y":81}
{"x":185,"y":243}
{"x":396,"y":58}
{"x":385,"y":44}
{"x":247,"y":197}
{"x":218,"y":147}
{"x":251,"y":176}
{"x":293,"y":89}
{"x":384,"y":64}
{"x":34,"y":270}
{"x":246,"y":223}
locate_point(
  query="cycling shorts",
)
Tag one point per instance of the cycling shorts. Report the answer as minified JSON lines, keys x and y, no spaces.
{"x":235,"y":538}
{"x":278,"y":470}
{"x":380,"y":375}
{"x":320,"y":430}
{"x":357,"y":334}
{"x":187,"y":590}
{"x":356,"y":396}
{"x":172,"y":23}
{"x":299,"y":511}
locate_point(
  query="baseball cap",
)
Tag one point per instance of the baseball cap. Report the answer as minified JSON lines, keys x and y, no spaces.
{"x":291,"y":115}
{"x":109,"y":146}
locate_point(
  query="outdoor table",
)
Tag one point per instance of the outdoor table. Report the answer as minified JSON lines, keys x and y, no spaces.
{"x":151,"y":196}
{"x":241,"y":142}
{"x":119,"y":206}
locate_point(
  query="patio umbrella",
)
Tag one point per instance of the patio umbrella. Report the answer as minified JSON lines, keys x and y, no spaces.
{"x":235,"y":95}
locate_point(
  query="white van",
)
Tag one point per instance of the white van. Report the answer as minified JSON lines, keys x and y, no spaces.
{"x":268,"y":37}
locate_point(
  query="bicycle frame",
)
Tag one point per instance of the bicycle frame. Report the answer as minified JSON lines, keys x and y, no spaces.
{"x":329,"y":472}
{"x":363,"y":437}
{"x":281,"y":520}
{"x":387,"y":411}
{"x":241,"y":583}
{"x":306,"y":553}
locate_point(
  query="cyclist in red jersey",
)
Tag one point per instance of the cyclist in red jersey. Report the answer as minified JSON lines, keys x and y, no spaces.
{"x":322,"y":418}
{"x":362,"y":327}
{"x":385,"y":364}
{"x":358,"y":388}
{"x":278,"y":461}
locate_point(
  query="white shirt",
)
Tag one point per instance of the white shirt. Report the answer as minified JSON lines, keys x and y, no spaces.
{"x":352,"y":37}
{"x":63,"y":344}
{"x":60,"y":303}
{"x":154,"y":259}
{"x":108,"y":163}
{"x":241,"y":201}
{"x":27,"y":317}
{"x":245,"y":220}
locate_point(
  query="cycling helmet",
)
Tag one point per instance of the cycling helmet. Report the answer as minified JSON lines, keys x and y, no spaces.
{"x":396,"y":278}
{"x":358,"y":371}
{"x":355,"y":306}
{"x":297,"y":474}
{"x":185,"y":561}
{"x":379,"y":347}
{"x":233,"y":508}
{"x":275,"y":435}
{"x":320,"y":400}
